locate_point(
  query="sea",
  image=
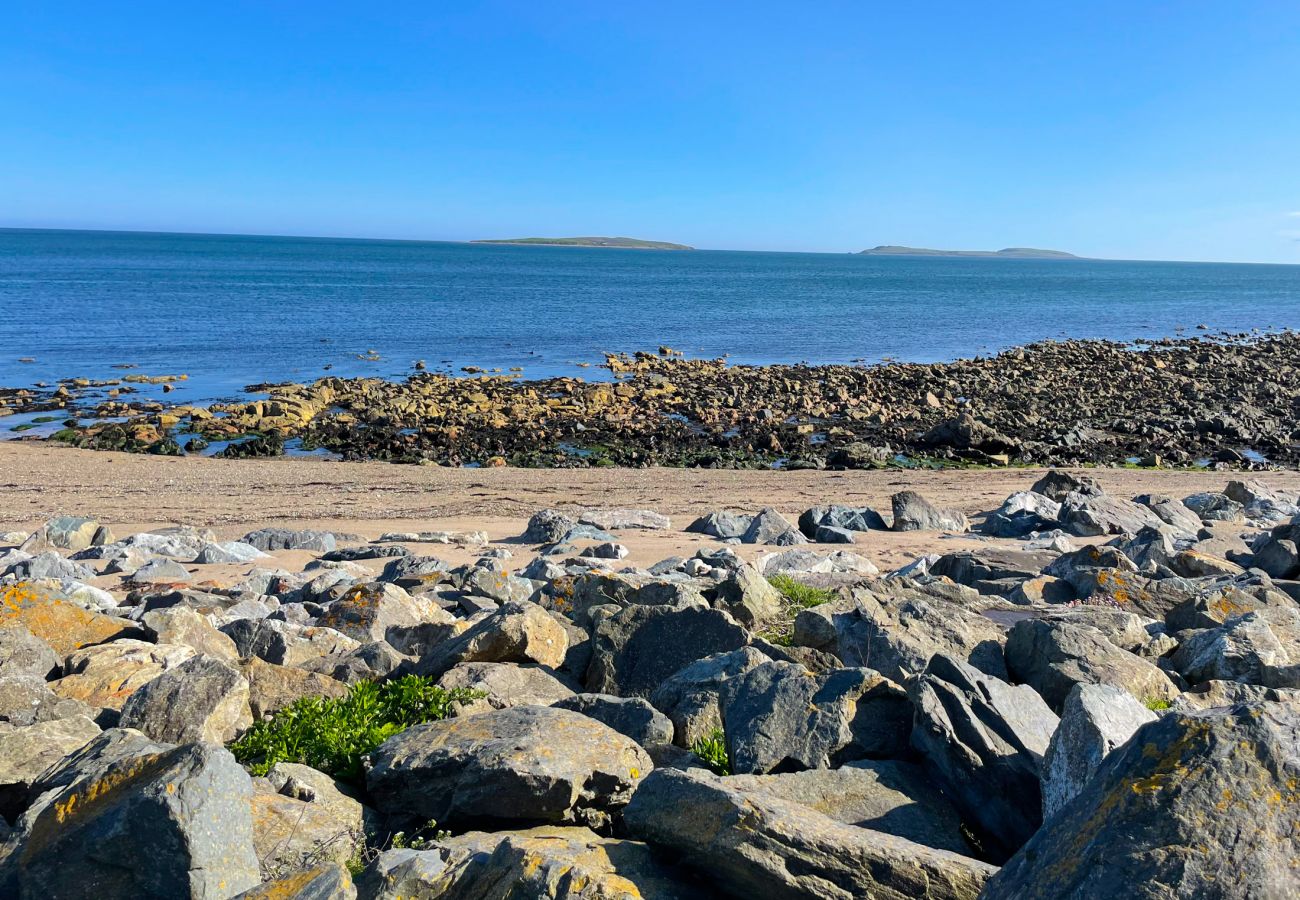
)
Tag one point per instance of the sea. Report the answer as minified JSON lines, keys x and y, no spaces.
{"x":228,"y":311}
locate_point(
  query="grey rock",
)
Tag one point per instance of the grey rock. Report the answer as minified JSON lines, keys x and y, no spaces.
{"x":373,"y":610}
{"x":753,"y":845}
{"x":829,"y":534}
{"x":779,"y":717}
{"x":606,"y":551}
{"x":285,"y":643}
{"x":770,"y":527}
{"x":1194,"y":805}
{"x":984,"y":741}
{"x":848,"y":518}
{"x":547,"y":526}
{"x":637,"y":648}
{"x":181,"y":625}
{"x":619,"y":519}
{"x":1095,"y":720}
{"x":524,"y":764}
{"x":1172,"y":512}
{"x":70,"y":533}
{"x":629,"y":716}
{"x":23,"y":654}
{"x":748,"y":597}
{"x":1086,"y":515}
{"x":722,"y":524}
{"x":202,"y":699}
{"x":26,"y":751}
{"x":415,"y":572}
{"x":269,"y":539}
{"x":1058,"y":484}
{"x":1279,"y":558}
{"x":691,"y":697}
{"x":1244,"y":648}
{"x":326,"y":881}
{"x":48,"y":565}
{"x":369,"y":662}
{"x":160,"y":571}
{"x":228,"y":552}
{"x":517,"y":632}
{"x":810,"y":562}
{"x":504,"y":685}
{"x":912,"y":512}
{"x":1213,"y":506}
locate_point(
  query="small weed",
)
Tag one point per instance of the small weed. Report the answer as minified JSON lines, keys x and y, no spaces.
{"x":798,"y":594}
{"x":1156,"y":704}
{"x":713,"y":750}
{"x":364,"y":853}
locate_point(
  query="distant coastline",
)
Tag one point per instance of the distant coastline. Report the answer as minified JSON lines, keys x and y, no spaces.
{"x":1007,"y":253}
{"x":623,"y":243}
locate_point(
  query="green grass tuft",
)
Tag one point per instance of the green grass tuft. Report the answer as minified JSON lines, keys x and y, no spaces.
{"x":713,"y":750}
{"x":799,"y":594}
{"x":1157,"y":704}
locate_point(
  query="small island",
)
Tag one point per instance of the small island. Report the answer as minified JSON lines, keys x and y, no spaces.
{"x":1008,"y":253}
{"x":623,"y":243}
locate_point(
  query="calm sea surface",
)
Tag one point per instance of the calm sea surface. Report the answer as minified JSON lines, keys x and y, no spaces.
{"x":229,"y":311}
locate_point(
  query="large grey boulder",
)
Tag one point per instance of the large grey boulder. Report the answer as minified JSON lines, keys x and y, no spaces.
{"x":620,"y":519}
{"x":912,"y":512}
{"x":370,"y":610}
{"x":887,"y":795}
{"x":1172,"y":512}
{"x":897,"y":638}
{"x":770,"y":527}
{"x":779,"y":717}
{"x":629,"y":716}
{"x":691,"y":697}
{"x":748,"y":596}
{"x":24,"y":655}
{"x":181,"y":625}
{"x":1052,"y":656}
{"x":27,"y":751}
{"x":848,"y":518}
{"x":268,"y":539}
{"x":523,"y":764}
{"x":516,"y":632}
{"x":49,"y":565}
{"x":323,"y":881}
{"x":1249,"y":648}
{"x":227,"y":552}
{"x":1088,"y":515}
{"x":301,"y":816}
{"x":70,"y":533}
{"x":1096,"y":719}
{"x":546,"y":526}
{"x":638,"y":648}
{"x":543,"y":863}
{"x":984,"y":741}
{"x":285,"y":643}
{"x":722,"y":524}
{"x":202,"y":699}
{"x":162,"y":825}
{"x":26,"y":700}
{"x":504,"y":684}
{"x":755,"y":845}
{"x":1194,"y":805}
{"x":1058,"y":484}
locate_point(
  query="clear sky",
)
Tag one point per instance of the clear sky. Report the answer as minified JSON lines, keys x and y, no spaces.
{"x":1143,"y":130}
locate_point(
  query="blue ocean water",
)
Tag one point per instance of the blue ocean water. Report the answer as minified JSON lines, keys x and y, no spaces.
{"x":231,"y":310}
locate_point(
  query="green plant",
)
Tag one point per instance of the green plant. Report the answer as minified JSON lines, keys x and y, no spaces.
{"x":713,"y":750}
{"x":1156,"y":704}
{"x":332,"y":734}
{"x":364,"y":852}
{"x":799,"y":594}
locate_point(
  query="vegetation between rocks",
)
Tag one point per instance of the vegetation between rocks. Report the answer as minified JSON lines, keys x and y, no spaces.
{"x":713,"y":750}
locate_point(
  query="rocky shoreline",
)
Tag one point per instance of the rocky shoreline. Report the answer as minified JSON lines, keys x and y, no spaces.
{"x":1102,"y":698}
{"x":1229,"y":401}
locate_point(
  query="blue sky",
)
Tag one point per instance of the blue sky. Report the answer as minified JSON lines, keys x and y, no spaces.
{"x":1141,"y":130}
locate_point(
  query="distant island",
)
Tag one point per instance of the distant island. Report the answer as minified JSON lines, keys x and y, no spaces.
{"x":1008,"y":253}
{"x":620,"y":242}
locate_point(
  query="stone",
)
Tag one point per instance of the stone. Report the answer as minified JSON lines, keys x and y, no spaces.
{"x":24,"y":655}
{"x":327,"y":881}
{"x":847,"y":518}
{"x":810,"y":562}
{"x":28,"y":750}
{"x":504,"y":685}
{"x":829,"y":534}
{"x":285,"y":643}
{"x":779,"y":717}
{"x":1172,"y":512}
{"x":605,"y":551}
{"x":770,"y":527}
{"x":368,"y":611}
{"x":526,"y":763}
{"x":1194,"y":805}
{"x":629,"y":716}
{"x":637,"y":648}
{"x":886,"y":795}
{"x":546,"y":527}
{"x":748,"y":597}
{"x":965,"y":432}
{"x":517,"y":632}
{"x":181,"y":625}
{"x":722,"y":524}
{"x":620,"y":519}
{"x":107,"y":674}
{"x":1095,"y":719}
{"x":1213,"y":506}
{"x":169,"y":824}
{"x":27,"y":700}
{"x":70,"y":533}
{"x":984,"y":741}
{"x":912,"y":512}
{"x":48,"y":565}
{"x":300,"y":817}
{"x":691,"y":697}
{"x":1279,"y":558}
{"x":1058,"y":484}
{"x":272,"y":687}
{"x":543,"y":863}
{"x":270,"y":539}
{"x":369,"y":662}
{"x":227,"y":553}
{"x":1244,"y":648}
{"x":750,"y":844}
{"x":64,"y":626}
{"x":1196,"y":564}
{"x":1087,"y":515}
{"x":160,"y":571}
{"x":202,"y":699}
{"x":1053,"y":656}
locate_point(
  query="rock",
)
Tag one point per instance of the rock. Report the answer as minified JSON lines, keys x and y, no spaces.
{"x":887,"y":795}
{"x":369,"y":662}
{"x":181,"y":625}
{"x":1057,"y":485}
{"x":1278,"y":557}
{"x":499,"y":586}
{"x":691,"y":697}
{"x":228,"y":552}
{"x":810,"y":562}
{"x":1194,"y":805}
{"x":1086,"y":515}
{"x":1194,"y":564}
{"x":517,"y":632}
{"x":898,"y":639}
{"x":527,"y":763}
{"x":984,"y":742}
{"x":301,"y":817}
{"x":327,"y":881}
{"x":270,"y":539}
{"x":1172,"y":512}
{"x":28,"y":750}
{"x":27,"y":700}
{"x":754,"y":845}
{"x":748,"y":597}
{"x":415,"y":572}
{"x":369,"y":611}
{"x":779,"y":717}
{"x":1042,"y":589}
{"x":912,"y":512}
{"x":1096,"y":719}
{"x":48,"y":565}
{"x":722,"y":524}
{"x":272,"y":687}
{"x":1022,"y":513}
{"x":859,"y":455}
{"x":91,"y":763}
{"x":504,"y":685}
{"x":202,"y":699}
{"x":168,"y":824}
{"x":637,"y":648}
{"x":24,"y":655}
{"x":829,"y":534}
{"x":847,"y":518}
{"x":619,"y":519}
{"x":70,"y":533}
{"x":605,"y":551}
{"x":965,"y":432}
{"x":107,"y":674}
{"x":1053,"y":656}
{"x":1244,"y":648}
{"x":544,"y":863}
{"x":1213,"y":506}
{"x":629,"y":716}
{"x":770,"y":527}
{"x":160,"y":571}
{"x":285,"y":643}
{"x":546,"y":527}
